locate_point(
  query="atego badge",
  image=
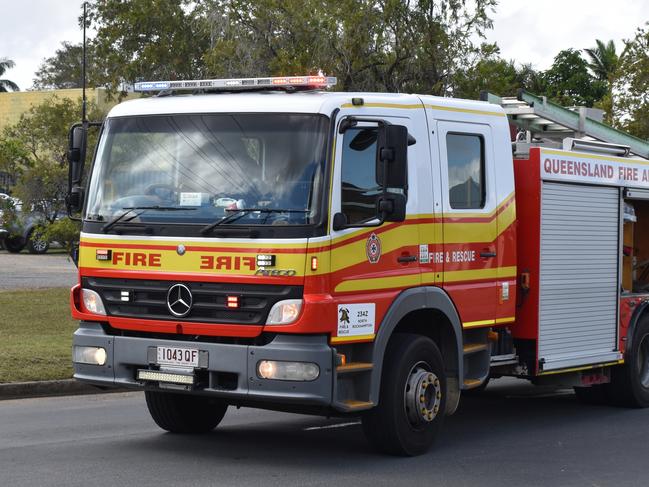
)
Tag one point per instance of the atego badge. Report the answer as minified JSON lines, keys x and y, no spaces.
{"x":373,"y":249}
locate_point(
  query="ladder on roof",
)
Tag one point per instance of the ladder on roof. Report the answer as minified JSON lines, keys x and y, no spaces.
{"x":551,"y":123}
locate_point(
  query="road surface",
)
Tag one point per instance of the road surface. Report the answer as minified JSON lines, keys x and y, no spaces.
{"x":513,"y":435}
{"x":25,"y":271}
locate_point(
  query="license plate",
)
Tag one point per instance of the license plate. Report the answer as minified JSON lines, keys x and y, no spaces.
{"x":184,"y":357}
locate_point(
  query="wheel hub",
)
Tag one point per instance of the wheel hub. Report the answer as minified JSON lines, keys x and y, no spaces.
{"x":39,"y":244}
{"x":423,"y":395}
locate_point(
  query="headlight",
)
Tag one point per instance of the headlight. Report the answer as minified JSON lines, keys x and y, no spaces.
{"x":284,"y":312}
{"x":90,"y":355}
{"x":279,"y":370}
{"x":92,"y":302}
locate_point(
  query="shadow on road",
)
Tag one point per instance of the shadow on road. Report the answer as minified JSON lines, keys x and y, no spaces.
{"x":497,"y":420}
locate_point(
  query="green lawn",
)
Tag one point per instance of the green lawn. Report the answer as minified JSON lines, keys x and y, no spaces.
{"x":35,"y":335}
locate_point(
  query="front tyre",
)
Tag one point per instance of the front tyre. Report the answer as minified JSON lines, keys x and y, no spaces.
{"x":14,"y":244}
{"x":412,"y":398}
{"x":181,"y":413}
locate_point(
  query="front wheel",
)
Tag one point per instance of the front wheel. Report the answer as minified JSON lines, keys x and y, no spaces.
{"x":412,"y":398}
{"x":36,"y":244}
{"x":182,"y":413}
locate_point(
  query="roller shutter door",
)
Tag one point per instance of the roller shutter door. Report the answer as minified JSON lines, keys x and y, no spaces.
{"x":578,"y":275}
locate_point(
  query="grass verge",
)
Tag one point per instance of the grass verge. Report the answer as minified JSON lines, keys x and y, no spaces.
{"x":35,"y":335}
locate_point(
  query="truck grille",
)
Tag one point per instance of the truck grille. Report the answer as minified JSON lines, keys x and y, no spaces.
{"x":148,"y":299}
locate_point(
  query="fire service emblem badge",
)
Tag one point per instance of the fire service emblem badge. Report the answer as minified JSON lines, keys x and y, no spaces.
{"x":373,"y":249}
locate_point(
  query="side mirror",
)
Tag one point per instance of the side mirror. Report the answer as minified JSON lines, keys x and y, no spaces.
{"x":76,"y":149}
{"x":392,"y":157}
{"x":76,"y":156}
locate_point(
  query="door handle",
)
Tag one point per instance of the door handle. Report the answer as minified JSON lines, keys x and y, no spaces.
{"x":487,"y":255}
{"x":404,"y":259}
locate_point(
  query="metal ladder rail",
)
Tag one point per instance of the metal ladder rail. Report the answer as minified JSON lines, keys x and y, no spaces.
{"x":546,"y":118}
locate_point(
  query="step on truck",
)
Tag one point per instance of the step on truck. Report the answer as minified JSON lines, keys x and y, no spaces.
{"x":269,"y":243}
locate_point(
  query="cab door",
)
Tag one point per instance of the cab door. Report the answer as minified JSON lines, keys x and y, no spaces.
{"x":469,"y":220}
{"x":369,"y":265}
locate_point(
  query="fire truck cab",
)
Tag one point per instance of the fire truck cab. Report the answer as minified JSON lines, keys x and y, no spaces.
{"x":267,"y":243}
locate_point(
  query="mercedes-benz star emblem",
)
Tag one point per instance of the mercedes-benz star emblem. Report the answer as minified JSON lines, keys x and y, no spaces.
{"x":180,"y":249}
{"x":179,"y":300}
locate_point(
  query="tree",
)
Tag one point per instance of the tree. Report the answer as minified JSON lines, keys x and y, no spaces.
{"x":378,"y":45}
{"x":147,"y":39}
{"x":5,"y":84}
{"x":40,"y":137}
{"x":603,"y":60}
{"x":603,"y":63}
{"x":632,"y":107}
{"x":569,"y":83}
{"x":489,"y":72}
{"x":372,"y":45}
{"x":63,"y":70}
{"x":14,"y":157}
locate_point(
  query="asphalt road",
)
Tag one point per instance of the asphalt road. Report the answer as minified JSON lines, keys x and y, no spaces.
{"x":513,"y":435}
{"x":24,"y":271}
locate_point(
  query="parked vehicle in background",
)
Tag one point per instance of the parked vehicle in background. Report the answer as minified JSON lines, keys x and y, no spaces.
{"x":20,"y":229}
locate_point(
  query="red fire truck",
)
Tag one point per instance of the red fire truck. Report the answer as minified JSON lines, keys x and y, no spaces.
{"x":268,"y":243}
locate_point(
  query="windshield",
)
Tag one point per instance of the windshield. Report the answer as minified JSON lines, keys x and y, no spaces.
{"x":208,"y":167}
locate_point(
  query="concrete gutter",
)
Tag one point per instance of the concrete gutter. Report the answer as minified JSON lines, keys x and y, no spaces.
{"x":66,"y":387}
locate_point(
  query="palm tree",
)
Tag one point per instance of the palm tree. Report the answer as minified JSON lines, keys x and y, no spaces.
{"x":603,"y":60}
{"x":5,"y":84}
{"x":603,"y":64}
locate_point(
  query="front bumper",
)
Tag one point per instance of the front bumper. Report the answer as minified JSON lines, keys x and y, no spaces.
{"x":236,"y":363}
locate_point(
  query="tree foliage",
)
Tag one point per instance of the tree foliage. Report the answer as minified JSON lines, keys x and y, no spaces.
{"x":39,"y":141}
{"x":420,"y":46}
{"x":603,"y":60}
{"x":64,"y":231}
{"x":63,"y":70}
{"x":489,"y":72}
{"x":569,"y":83}
{"x":632,"y":84}
{"x":5,"y":84}
{"x":370,"y":45}
{"x":376,"y":45}
{"x":147,"y":39}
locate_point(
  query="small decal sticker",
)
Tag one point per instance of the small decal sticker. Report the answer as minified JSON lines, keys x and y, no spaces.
{"x":373,"y":249}
{"x":356,"y":319}
{"x":190,"y":199}
{"x":505,"y":291}
{"x":424,"y":256}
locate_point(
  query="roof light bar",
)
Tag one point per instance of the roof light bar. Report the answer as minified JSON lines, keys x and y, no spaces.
{"x":238,"y":83}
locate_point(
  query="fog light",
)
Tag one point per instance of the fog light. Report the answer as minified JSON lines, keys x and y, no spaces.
{"x":90,"y":355}
{"x":297,"y":371}
{"x":284,"y":312}
{"x":92,"y":302}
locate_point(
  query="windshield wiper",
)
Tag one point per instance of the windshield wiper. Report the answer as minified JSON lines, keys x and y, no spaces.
{"x":141,"y":209}
{"x":245,"y":211}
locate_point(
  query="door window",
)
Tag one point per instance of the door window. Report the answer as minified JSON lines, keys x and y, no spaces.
{"x":358,"y":174}
{"x":466,"y":171}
